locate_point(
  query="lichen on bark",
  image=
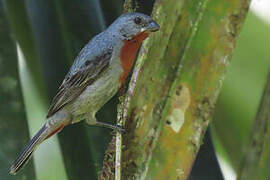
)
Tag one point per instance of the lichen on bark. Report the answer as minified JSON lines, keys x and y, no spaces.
{"x":177,"y":79}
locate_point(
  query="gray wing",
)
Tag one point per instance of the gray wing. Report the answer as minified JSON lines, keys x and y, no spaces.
{"x":77,"y":80}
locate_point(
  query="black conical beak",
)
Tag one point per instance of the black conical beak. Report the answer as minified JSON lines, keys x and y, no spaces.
{"x":152,"y":27}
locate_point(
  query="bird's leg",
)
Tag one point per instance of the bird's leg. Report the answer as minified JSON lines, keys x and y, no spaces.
{"x":111,"y":126}
{"x":91,"y":120}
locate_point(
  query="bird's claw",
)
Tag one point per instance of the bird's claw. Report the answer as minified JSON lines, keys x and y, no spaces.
{"x":120,"y":129}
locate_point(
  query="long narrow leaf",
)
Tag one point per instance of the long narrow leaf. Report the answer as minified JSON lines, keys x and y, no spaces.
{"x":13,"y":128}
{"x":34,"y":93}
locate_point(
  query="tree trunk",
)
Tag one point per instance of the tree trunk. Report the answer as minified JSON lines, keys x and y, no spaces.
{"x":174,"y":87}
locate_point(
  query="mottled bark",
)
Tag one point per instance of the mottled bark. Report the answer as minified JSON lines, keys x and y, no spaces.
{"x":174,"y":87}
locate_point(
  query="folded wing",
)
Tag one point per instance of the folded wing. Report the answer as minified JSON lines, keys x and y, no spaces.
{"x":75,"y":83}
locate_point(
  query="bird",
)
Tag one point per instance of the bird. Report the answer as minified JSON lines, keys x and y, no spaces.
{"x":98,"y":72}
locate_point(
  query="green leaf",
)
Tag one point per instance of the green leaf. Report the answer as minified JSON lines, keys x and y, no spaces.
{"x":13,"y":128}
{"x":34,"y":93}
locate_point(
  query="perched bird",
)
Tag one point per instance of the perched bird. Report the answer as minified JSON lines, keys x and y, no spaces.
{"x":98,"y":72}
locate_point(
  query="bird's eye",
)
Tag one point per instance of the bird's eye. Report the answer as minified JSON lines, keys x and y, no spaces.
{"x":137,"y":20}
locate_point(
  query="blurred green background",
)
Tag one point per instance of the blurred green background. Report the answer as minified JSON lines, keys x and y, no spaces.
{"x":38,"y":43}
{"x":242,"y":89}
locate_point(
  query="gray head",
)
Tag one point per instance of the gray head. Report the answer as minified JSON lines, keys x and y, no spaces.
{"x":129,"y":25}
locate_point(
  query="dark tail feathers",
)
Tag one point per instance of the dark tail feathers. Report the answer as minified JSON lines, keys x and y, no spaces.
{"x":27,"y":152}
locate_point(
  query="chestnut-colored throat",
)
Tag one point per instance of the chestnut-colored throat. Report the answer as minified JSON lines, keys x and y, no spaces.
{"x":128,"y":53}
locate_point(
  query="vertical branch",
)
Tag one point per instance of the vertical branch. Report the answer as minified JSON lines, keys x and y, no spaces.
{"x":198,"y":81}
{"x":122,"y":109}
{"x":256,"y":161}
{"x":181,"y":69}
{"x":118,"y":138}
{"x":122,"y":118}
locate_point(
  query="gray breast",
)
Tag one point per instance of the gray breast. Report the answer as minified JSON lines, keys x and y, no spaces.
{"x":101,"y":91}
